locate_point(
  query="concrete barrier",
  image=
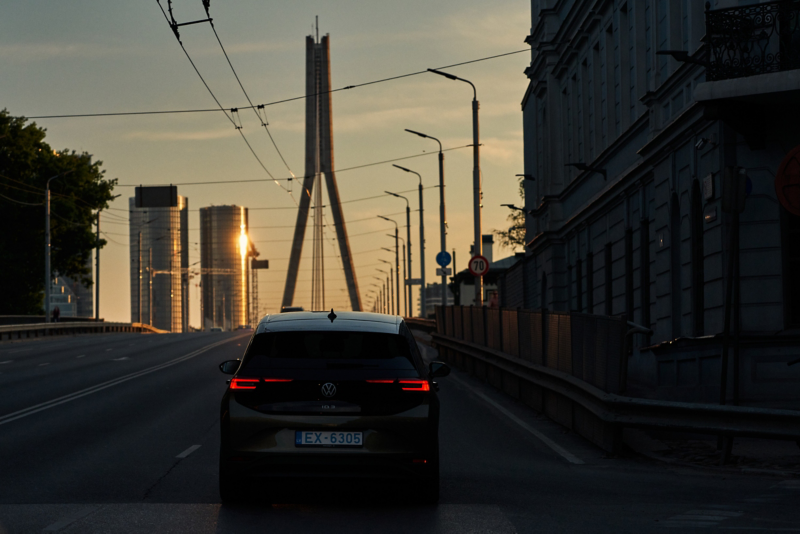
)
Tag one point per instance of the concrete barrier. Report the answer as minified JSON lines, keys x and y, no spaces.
{"x":24,"y":331}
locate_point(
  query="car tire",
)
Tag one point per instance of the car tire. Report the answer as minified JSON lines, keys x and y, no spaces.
{"x":232,"y":489}
{"x":430,"y":492}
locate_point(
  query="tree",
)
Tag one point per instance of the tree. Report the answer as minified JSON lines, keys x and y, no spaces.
{"x":514,"y":236}
{"x":26,"y":163}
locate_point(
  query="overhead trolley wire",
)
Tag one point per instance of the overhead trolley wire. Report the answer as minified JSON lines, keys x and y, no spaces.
{"x":310,"y":95}
{"x":174,"y":26}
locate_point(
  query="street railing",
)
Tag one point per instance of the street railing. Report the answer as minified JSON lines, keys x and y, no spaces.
{"x":24,"y":331}
{"x":588,"y":347}
{"x":600,"y":416}
{"x":753,"y":39}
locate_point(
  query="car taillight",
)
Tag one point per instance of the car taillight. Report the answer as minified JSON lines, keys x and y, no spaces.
{"x":415,"y":385}
{"x":277,"y":379}
{"x":244,"y":383}
{"x":389,"y":381}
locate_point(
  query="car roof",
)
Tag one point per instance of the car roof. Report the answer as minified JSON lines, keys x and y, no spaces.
{"x":345,"y":321}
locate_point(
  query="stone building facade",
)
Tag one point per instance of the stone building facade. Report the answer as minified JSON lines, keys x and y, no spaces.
{"x":631,"y":151}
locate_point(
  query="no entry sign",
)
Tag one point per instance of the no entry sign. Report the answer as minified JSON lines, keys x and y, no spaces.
{"x":478,"y":266}
{"x":787,"y":182}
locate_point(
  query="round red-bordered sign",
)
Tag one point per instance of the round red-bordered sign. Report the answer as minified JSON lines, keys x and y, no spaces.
{"x":478,"y":266}
{"x":787,"y":182}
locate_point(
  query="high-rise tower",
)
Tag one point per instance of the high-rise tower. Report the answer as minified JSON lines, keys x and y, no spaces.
{"x":319,"y":166}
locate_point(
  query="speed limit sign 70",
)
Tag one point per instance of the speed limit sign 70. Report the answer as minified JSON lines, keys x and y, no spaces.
{"x":478,"y":266}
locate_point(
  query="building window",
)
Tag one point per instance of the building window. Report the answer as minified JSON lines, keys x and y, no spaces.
{"x":675,"y":271}
{"x":579,"y":285}
{"x":698,"y":262}
{"x":644,"y":270}
{"x":790,"y":237}
{"x":544,"y":291}
{"x":589,"y":283}
{"x":608,"y":268}
{"x":629,"y":274}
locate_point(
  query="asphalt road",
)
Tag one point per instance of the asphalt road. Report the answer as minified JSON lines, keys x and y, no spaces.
{"x":119,"y":433}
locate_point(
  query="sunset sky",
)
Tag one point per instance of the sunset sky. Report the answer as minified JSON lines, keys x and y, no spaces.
{"x":85,"y":56}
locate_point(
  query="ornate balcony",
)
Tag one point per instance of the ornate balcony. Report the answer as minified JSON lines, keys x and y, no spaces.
{"x":755,"y":39}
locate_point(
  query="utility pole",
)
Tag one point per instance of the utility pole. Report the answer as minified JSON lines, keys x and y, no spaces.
{"x":97,"y":271}
{"x":139,"y":307}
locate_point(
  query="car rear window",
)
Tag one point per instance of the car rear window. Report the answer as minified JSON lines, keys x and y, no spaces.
{"x":328,"y":350}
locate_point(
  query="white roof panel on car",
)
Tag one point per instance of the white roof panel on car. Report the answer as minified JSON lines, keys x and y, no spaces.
{"x":319,"y":321}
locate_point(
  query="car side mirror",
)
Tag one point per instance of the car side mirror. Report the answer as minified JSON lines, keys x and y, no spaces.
{"x":438,"y":369}
{"x":230,"y":366}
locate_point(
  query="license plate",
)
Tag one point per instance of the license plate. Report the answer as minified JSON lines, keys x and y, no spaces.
{"x":328,"y":439}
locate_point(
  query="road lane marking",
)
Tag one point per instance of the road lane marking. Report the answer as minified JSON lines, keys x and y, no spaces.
{"x":20,"y":350}
{"x":80,"y":356}
{"x":119,"y":359}
{"x":108,"y":350}
{"x":43,"y":364}
{"x":188,"y":451}
{"x":699,"y":518}
{"x":25,"y":412}
{"x":7,"y":361}
{"x":69,"y":519}
{"x":568,"y":456}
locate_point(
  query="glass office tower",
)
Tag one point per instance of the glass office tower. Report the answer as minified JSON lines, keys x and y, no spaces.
{"x":159,"y":247}
{"x":224,"y":257}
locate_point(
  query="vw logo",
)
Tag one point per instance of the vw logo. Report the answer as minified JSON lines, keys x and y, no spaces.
{"x":328,"y":389}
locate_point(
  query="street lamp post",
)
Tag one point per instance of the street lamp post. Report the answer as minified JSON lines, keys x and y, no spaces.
{"x":392,"y":298}
{"x":442,"y":215}
{"x":405,"y":278}
{"x":388,"y":287}
{"x":422,"y":300}
{"x":406,"y":288}
{"x":396,"y":261}
{"x":476,"y":178}
{"x":47,"y":281}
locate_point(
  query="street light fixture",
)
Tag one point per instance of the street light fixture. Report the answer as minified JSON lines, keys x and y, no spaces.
{"x":406,"y":296}
{"x":422,"y":299}
{"x":513,"y":207}
{"x":477,"y":195}
{"x":584,"y":167}
{"x":526,"y":176}
{"x":391,"y":292}
{"x":442,"y":216}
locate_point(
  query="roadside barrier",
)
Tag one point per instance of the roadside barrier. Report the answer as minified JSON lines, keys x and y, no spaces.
{"x":579,"y":384}
{"x":24,"y":331}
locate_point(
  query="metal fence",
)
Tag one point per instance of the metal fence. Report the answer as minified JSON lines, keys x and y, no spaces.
{"x":753,"y":39}
{"x":588,"y":347}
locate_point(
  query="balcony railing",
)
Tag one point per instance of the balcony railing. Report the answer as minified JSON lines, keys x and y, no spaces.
{"x":755,"y":39}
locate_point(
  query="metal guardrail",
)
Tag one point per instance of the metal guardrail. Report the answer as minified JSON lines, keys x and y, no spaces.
{"x":418,"y":323}
{"x":24,"y":331}
{"x":600,"y":416}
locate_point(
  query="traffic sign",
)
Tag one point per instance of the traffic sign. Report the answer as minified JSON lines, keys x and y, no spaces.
{"x":443,"y":258}
{"x":444,"y":271}
{"x":478,"y":266}
{"x":414,"y":281}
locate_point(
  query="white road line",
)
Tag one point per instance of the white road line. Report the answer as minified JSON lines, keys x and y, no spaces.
{"x":120,"y":359}
{"x":20,"y":350}
{"x":80,"y":356}
{"x":108,"y":350}
{"x":544,"y":439}
{"x":69,"y":519}
{"x":188,"y":451}
{"x":43,"y":364}
{"x":25,"y":412}
{"x":7,"y":361}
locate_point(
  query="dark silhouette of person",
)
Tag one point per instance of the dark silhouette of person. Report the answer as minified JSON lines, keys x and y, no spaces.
{"x":56,"y":314}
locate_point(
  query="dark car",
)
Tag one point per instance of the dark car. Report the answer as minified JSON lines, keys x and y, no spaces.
{"x":320,"y":394}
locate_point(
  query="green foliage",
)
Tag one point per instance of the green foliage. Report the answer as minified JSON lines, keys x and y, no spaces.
{"x":26,"y":163}
{"x":514,"y":236}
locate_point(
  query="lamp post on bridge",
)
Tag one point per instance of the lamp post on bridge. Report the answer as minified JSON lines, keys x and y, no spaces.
{"x":477,"y":194}
{"x":422,"y":300}
{"x":47,"y":277}
{"x":442,"y":214}
{"x":396,"y":262}
{"x":406,"y":286}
